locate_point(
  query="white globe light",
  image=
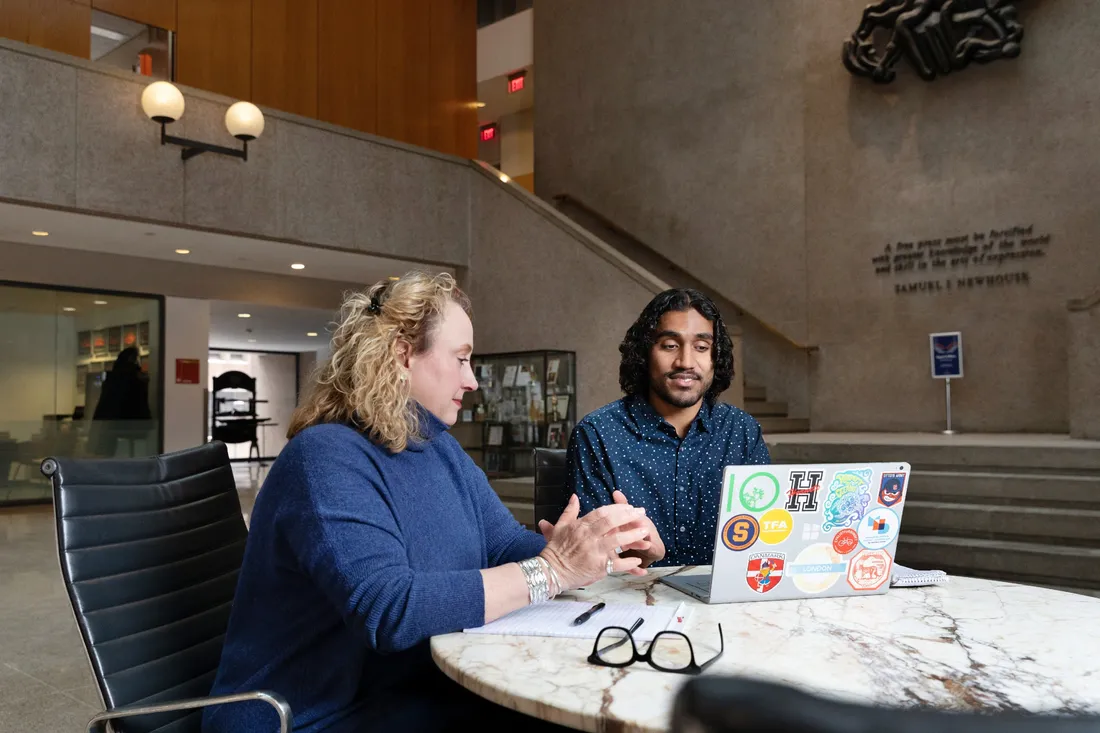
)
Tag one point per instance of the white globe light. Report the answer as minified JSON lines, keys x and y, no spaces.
{"x":162,"y":102}
{"x":244,"y":121}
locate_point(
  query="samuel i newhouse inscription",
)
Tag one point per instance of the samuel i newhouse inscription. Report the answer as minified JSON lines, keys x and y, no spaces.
{"x":992,"y":259}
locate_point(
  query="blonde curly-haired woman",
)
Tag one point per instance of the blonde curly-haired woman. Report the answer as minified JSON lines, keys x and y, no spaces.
{"x":374,"y":531}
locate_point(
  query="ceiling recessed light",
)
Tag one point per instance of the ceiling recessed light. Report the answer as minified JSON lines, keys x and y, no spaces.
{"x":244,"y":315}
{"x":68,"y":309}
{"x":40,"y":233}
{"x":251,"y":341}
{"x":100,"y":302}
{"x":311,"y":333}
{"x":297,"y":266}
{"x":394,"y":278}
{"x":504,"y":177}
{"x":183,"y":251}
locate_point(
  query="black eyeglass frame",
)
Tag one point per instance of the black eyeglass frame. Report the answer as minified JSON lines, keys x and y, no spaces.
{"x":647,"y":656}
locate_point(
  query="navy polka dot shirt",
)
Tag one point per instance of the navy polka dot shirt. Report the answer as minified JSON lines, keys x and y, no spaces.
{"x":627,"y":446}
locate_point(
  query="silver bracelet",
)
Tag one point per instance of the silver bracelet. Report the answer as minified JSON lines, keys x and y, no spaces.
{"x":556,"y":587}
{"x":538,"y":586}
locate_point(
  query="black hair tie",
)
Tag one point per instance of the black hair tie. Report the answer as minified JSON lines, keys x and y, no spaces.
{"x":375,"y":307}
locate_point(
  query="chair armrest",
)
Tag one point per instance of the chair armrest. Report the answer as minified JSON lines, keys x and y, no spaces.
{"x":273,"y":699}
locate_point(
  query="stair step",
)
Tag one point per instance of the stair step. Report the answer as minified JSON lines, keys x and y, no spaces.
{"x":784,"y":425}
{"x":1054,"y":526}
{"x":1008,"y":488}
{"x":755,"y":392}
{"x":760,"y":408}
{"x":1024,"y":562}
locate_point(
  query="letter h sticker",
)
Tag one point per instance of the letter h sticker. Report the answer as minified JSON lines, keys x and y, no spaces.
{"x":802,"y":496}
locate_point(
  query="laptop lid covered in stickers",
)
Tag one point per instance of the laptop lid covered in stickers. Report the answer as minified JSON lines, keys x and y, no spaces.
{"x":801,"y":531}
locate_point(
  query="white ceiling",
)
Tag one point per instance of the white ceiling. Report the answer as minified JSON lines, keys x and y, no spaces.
{"x":136,"y":239}
{"x":274,"y":329}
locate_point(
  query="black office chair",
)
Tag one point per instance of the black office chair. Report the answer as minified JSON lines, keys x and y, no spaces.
{"x":551,"y":494}
{"x":150,"y":551}
{"x":715,"y":704}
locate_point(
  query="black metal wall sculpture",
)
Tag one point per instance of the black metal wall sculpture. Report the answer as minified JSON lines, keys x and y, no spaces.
{"x":937,"y":36}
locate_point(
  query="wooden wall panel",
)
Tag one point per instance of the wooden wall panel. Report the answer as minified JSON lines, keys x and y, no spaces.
{"x":347,"y":63}
{"x":284,"y":55}
{"x":453,"y":70}
{"x":61,"y":25}
{"x":214,"y":46}
{"x":15,"y":19}
{"x":403,"y":70}
{"x":161,"y":13}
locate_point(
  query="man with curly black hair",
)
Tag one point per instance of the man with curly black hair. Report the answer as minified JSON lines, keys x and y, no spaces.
{"x":664,"y":445}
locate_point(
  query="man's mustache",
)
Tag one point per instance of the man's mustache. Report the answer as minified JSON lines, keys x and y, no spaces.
{"x":677,"y":375}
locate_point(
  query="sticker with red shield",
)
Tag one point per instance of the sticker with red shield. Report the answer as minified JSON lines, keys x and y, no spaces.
{"x":869,"y":569}
{"x":765,"y":570}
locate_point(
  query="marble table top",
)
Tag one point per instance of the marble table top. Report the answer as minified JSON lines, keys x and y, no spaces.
{"x":970,"y":644}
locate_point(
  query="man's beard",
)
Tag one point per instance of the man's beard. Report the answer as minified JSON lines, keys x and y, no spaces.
{"x":680,"y":399}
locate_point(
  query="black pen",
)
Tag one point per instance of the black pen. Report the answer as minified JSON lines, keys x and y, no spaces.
{"x":589,"y":613}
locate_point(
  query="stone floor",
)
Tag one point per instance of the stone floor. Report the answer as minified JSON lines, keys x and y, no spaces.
{"x":45,"y":682}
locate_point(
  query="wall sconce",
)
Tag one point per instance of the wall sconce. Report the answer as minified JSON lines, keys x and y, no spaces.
{"x":164,"y":104}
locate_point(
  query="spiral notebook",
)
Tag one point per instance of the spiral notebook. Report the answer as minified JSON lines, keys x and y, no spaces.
{"x":903,"y":577}
{"x":556,"y":619}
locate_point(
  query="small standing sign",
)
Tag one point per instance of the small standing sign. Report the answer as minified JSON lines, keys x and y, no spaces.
{"x":946,"y":351}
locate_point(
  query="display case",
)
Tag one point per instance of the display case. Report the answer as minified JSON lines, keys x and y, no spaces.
{"x":524,"y":400}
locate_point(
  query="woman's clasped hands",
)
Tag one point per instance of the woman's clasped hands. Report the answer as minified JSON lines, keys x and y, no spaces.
{"x":584,"y":549}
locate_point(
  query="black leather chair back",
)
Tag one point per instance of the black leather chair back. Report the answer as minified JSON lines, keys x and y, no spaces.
{"x":551,"y":494}
{"x":714,"y":704}
{"x":150,"y":552}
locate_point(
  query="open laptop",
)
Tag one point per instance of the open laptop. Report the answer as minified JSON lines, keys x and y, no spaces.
{"x":802,"y":531}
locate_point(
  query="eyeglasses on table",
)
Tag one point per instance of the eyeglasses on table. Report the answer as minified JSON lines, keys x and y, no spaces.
{"x":670,"y":651}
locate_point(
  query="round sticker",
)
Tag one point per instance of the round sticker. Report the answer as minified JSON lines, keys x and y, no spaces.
{"x":845,"y":541}
{"x":775,"y":526}
{"x":878,"y":528}
{"x":759,"y":492}
{"x":740,"y":532}
{"x":816,"y":568}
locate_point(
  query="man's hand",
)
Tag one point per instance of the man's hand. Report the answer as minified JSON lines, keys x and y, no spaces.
{"x":650,"y":549}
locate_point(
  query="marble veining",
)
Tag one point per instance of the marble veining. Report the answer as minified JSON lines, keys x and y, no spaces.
{"x":969,"y":645}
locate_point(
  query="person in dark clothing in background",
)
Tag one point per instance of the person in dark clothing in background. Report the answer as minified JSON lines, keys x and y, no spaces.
{"x":125,"y":396}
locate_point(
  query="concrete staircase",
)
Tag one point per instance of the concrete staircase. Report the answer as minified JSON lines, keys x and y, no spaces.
{"x":772,"y":416}
{"x":1027,"y":513}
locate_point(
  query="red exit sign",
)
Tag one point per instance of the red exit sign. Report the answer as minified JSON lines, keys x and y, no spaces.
{"x":488,"y":132}
{"x":516,"y":81}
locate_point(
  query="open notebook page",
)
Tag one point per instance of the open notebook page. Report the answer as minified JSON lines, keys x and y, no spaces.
{"x":556,"y":619}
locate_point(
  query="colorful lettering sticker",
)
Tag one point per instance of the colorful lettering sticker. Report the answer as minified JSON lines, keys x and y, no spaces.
{"x":849,"y":495}
{"x":816,"y":568}
{"x":775,"y":526}
{"x":740,"y":532}
{"x":845,"y":541}
{"x":765,"y":570}
{"x":802,"y":496}
{"x":878,"y":528}
{"x":891,"y":489}
{"x":869,"y":570}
